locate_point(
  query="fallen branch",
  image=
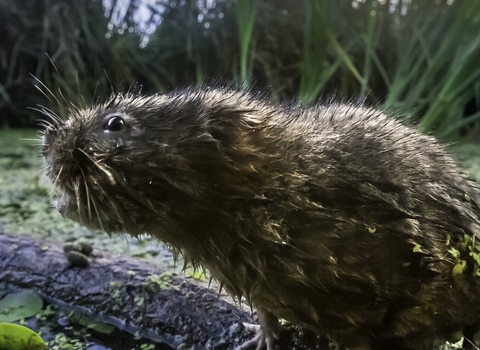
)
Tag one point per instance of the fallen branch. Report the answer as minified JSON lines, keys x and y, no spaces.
{"x":132,"y":295}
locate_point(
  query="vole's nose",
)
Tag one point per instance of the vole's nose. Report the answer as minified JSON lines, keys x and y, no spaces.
{"x":48,"y":138}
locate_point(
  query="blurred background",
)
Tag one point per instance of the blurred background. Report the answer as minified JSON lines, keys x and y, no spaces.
{"x":420,"y":58}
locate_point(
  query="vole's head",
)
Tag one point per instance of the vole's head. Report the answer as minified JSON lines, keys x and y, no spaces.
{"x":120,"y":165}
{"x":104,"y":162}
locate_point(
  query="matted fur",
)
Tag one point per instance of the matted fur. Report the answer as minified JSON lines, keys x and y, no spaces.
{"x":336,"y":217}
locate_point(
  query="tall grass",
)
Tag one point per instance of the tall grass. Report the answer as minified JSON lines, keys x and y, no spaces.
{"x":246,"y":13}
{"x":370,"y":39}
{"x":437,"y":66}
{"x":315,"y":69}
{"x":417,"y":57}
{"x":456,"y":76}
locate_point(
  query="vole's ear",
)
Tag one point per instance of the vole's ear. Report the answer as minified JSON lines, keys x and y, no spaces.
{"x":234,"y":127}
{"x":135,"y":89}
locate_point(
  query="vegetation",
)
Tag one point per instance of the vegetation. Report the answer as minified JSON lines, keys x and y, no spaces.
{"x":415,"y":57}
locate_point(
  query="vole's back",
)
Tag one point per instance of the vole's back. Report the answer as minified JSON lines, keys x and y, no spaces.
{"x":379,"y":235}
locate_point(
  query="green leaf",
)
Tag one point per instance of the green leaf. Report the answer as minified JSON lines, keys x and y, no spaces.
{"x":16,"y":337}
{"x":16,"y":306}
{"x":459,"y":268}
{"x":86,"y":321}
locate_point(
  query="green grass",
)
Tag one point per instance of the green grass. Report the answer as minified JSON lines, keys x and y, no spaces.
{"x":246,"y":13}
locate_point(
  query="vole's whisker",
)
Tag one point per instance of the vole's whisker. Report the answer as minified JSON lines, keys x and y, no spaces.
{"x":55,"y":182}
{"x":87,"y":195}
{"x":60,"y":92}
{"x":47,"y":89}
{"x":99,"y":218}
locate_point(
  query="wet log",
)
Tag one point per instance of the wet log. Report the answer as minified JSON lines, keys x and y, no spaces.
{"x":135,"y":296}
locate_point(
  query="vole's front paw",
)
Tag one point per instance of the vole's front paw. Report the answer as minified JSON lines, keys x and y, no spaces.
{"x":262,"y":340}
{"x":267,"y":333}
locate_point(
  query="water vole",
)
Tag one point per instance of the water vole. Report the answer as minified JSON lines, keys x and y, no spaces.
{"x":335,"y":217}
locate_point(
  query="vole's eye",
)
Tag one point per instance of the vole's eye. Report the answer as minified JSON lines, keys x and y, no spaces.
{"x":114,"y":123}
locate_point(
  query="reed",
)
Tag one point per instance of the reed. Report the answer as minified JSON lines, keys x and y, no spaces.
{"x":246,"y":11}
{"x":416,"y":57}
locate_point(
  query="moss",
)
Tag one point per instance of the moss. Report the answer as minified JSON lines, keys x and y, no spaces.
{"x":465,"y":254}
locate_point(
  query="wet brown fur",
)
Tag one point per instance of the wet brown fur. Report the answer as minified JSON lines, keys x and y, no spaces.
{"x":336,"y":217}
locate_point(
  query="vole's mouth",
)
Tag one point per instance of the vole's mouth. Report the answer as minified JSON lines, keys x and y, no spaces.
{"x":65,"y":206}
{"x":61,"y":205}
{"x":93,"y":215}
